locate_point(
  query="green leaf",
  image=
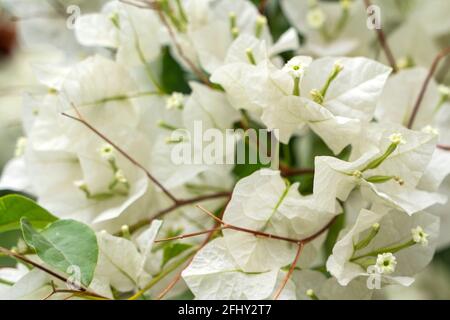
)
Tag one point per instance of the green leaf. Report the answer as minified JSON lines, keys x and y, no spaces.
{"x":14,"y":207}
{"x":65,"y":245}
{"x":333,"y":234}
{"x":173,"y":77}
{"x":173,"y":250}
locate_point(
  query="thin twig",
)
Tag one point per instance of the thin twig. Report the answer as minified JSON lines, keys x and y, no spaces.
{"x":178,"y":276}
{"x":301,"y":243}
{"x":423,"y":90}
{"x":383,"y":42}
{"x":268,"y":235}
{"x":443,"y":147}
{"x":45,"y":269}
{"x":199,"y":73}
{"x":177,"y":205}
{"x":121,"y":151}
{"x":291,"y":270}
{"x":290,"y":172}
{"x":190,"y":235}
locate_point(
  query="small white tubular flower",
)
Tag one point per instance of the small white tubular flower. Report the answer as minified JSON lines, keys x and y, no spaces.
{"x":80,"y":184}
{"x":338,"y":66}
{"x":261,"y":20}
{"x":357,"y":174}
{"x":20,"y":146}
{"x":430,"y":130}
{"x":444,"y":91}
{"x":316,"y":18}
{"x":397,"y":138}
{"x":420,"y":236}
{"x":107,"y":152}
{"x":386,"y":263}
{"x":297,"y":65}
{"x":175,"y":101}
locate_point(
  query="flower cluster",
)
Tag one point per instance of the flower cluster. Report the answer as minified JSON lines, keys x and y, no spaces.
{"x":352,"y":197}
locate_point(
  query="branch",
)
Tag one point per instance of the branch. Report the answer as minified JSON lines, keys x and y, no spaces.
{"x":291,"y":270}
{"x":290,"y":172}
{"x":384,"y":45}
{"x":300,"y":243}
{"x":268,"y":235}
{"x":190,"y":235}
{"x":178,"y":276}
{"x":24,"y":259}
{"x":121,"y":151}
{"x":155,"y":6}
{"x":199,"y":73}
{"x":177,"y":205}
{"x":162,"y":275}
{"x":73,"y":293}
{"x":433,"y":68}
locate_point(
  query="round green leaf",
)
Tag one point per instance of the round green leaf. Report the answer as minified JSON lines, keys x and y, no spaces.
{"x":66,"y":245}
{"x":14,"y":207}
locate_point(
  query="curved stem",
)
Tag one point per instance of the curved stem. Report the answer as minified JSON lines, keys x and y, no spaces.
{"x":162,"y":275}
{"x":122,"y":152}
{"x":291,"y":270}
{"x":433,"y":68}
{"x":444,"y":147}
{"x":52,"y":273}
{"x":178,"y":204}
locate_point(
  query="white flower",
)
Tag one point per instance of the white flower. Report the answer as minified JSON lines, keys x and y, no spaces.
{"x":430,"y":130}
{"x":297,"y":65}
{"x":263,"y":201}
{"x":316,"y":18}
{"x":175,"y":101}
{"x":214,"y":274}
{"x":397,"y":138}
{"x":107,"y":152}
{"x":392,"y":237}
{"x":80,"y":184}
{"x":444,"y":91}
{"x":134,"y":32}
{"x":386,"y":263}
{"x":391,"y":179}
{"x":420,"y":236}
{"x":349,"y":99}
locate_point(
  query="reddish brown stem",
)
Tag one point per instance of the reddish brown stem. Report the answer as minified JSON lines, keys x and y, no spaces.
{"x":190,"y":235}
{"x":291,"y":270}
{"x":198,"y":72}
{"x":433,"y":68}
{"x":178,"y":276}
{"x":268,"y":235}
{"x":291,"y":172}
{"x":383,"y":43}
{"x":178,"y":204}
{"x":443,"y":147}
{"x":24,"y":259}
{"x":122,"y":152}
